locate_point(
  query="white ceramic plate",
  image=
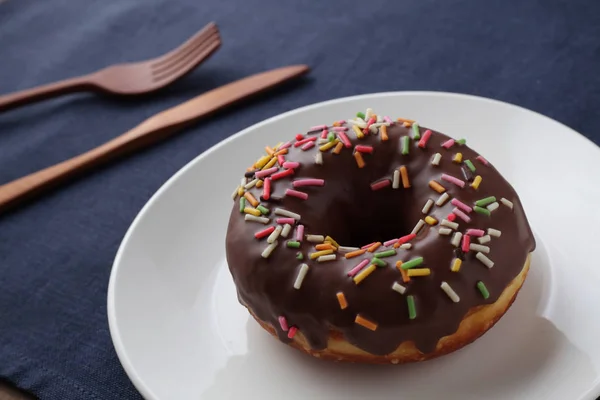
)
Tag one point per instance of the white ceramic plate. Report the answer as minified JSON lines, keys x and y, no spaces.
{"x":181,"y":334}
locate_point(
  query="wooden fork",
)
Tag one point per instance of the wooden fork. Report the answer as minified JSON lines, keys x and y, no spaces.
{"x":132,"y":78}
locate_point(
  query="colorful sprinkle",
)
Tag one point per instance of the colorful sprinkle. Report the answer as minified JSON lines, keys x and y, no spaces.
{"x":301,"y":275}
{"x":412,"y":309}
{"x":308,"y":146}
{"x":275,"y":234}
{"x":448,"y":143}
{"x":470,"y":165}
{"x":373,"y":247}
{"x":305,"y":141}
{"x":444,"y":231}
{"x":355,"y":253}
{"x":365,"y":323}
{"x":262,"y":161}
{"x":419,"y":272}
{"x":358,"y":267}
{"x":456,"y":263}
{"x":405,"y":145}
{"x":329,"y":239}
{"x":436,"y":159}
{"x":286,"y":220}
{"x":318,"y":254}
{"x":483,"y":290}
{"x":485,"y":201}
{"x":455,"y":241}
{"x":330,"y":257}
{"x":462,"y":141}
{"x":449,"y":224}
{"x":416,"y":131}
{"x":299,"y":255}
{"x":450,"y":292}
{"x":296,"y":193}
{"x":293,"y":244}
{"x":324,"y":246}
{"x":442,"y":199}
{"x":283,"y":323}
{"x":282,"y":174}
{"x":242,"y":204}
{"x":254,"y":218}
{"x":476,"y":182}
{"x":264,"y":232}
{"x":507,"y":203}
{"x":430,"y":220}
{"x":466,"y":243}
{"x":384,"y":133}
{"x":461,"y":205}
{"x":484,"y":239}
{"x":360,"y":115}
{"x":300,"y":233}
{"x":404,"y":176}
{"x":418,"y":227}
{"x":492,"y":207}
{"x":475,"y":232}
{"x":342,"y":300}
{"x":286,"y":230}
{"x":359,"y":160}
{"x":398,"y":288}
{"x":286,"y":213}
{"x":364,"y":273}
{"x":427,"y":206}
{"x":364,"y":149}
{"x":377,"y":262}
{"x":347,"y":249}
{"x":461,"y":215}
{"x":252,"y":211}
{"x":494,"y":232}
{"x":338,"y":148}
{"x":358,"y":132}
{"x":292,"y":332}
{"x":268,"y":250}
{"x":484,"y":260}
{"x":479,"y":247}
{"x":319,"y":158}
{"x":436,"y":186}
{"x":415,"y":262}
{"x":482,"y":160}
{"x":396,"y":179}
{"x":380,"y":184}
{"x":328,"y":145}
{"x":481,"y":210}
{"x":457,"y":158}
{"x":344,"y":139}
{"x":454,"y":180}
{"x":387,"y":253}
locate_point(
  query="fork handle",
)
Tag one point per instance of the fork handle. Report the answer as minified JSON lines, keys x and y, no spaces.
{"x":16,"y":99}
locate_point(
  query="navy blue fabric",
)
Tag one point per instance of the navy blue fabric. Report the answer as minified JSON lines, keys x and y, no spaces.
{"x":56,"y":253}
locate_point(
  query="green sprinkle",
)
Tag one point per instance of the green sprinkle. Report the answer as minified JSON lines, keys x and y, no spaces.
{"x":482,"y":210}
{"x":416,"y":131}
{"x":380,"y":263}
{"x":299,"y":256}
{"x":263,"y":210}
{"x":293,"y":244}
{"x":387,"y":253}
{"x":331,"y":136}
{"x":484,"y":291}
{"x":405,"y":144}
{"x":412,"y":309}
{"x":415,"y":262}
{"x":469,"y":164}
{"x":462,"y":141}
{"x":484,"y":202}
{"x":360,"y":115}
{"x":242,"y":204}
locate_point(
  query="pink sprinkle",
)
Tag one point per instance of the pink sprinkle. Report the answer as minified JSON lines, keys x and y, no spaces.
{"x":304,"y":141}
{"x":366,"y":131}
{"x":344,"y":139}
{"x":267,"y":189}
{"x":340,"y":128}
{"x":451,"y":217}
{"x":295,"y":193}
{"x":466,"y":242}
{"x":284,"y":146}
{"x":387,"y":119}
{"x":447,"y":144}
{"x":482,"y":160}
{"x":308,"y":182}
{"x":266,"y":172}
{"x":380,"y":184}
{"x":282,"y":221}
{"x":407,"y":238}
{"x":291,"y":164}
{"x":318,"y":128}
{"x":461,"y":205}
{"x":282,"y":174}
{"x":367,"y":246}
{"x":283,"y":323}
{"x":299,"y":233}
{"x":363,"y":149}
{"x":281,"y":159}
{"x":389,"y":242}
{"x":474,"y":232}
{"x":461,"y":215}
{"x":371,"y":121}
{"x":292,"y":332}
{"x":357,"y":269}
{"x":324,"y":134}
{"x":424,"y":139}
{"x":308,"y":146}
{"x":451,"y":179}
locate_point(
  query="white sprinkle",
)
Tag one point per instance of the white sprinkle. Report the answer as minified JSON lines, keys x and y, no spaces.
{"x":328,"y":257}
{"x":358,"y":121}
{"x":398,"y":288}
{"x":300,"y":276}
{"x":418,"y":226}
{"x":269,"y":249}
{"x":286,"y":230}
{"x":346,"y":249}
{"x":322,"y":141}
{"x":427,"y":207}
{"x":244,"y":181}
{"x":444,"y":231}
{"x":368,"y":113}
{"x":405,"y":246}
{"x":450,"y":292}
{"x":507,"y":203}
{"x":275,"y":234}
{"x":494,"y":232}
{"x":443,"y":199}
{"x":378,"y":124}
{"x":253,"y":218}
{"x":319,"y":158}
{"x":455,"y":241}
{"x":449,"y":224}
{"x":493,"y":206}
{"x":251,"y":184}
{"x":286,"y":213}
{"x":484,"y":260}
{"x":234,"y":194}
{"x":379,"y":119}
{"x":373,"y":129}
{"x":484,"y":239}
{"x":396,"y":179}
{"x":315,"y":238}
{"x":436,"y":159}
{"x":479,"y":247}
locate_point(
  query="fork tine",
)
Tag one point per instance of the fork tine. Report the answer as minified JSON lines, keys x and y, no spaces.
{"x":205,"y":33}
{"x":189,"y":52}
{"x":184,"y":60}
{"x":187,"y":66}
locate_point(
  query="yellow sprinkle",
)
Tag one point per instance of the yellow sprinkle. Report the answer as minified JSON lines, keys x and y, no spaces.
{"x":476,"y":182}
{"x":259,"y":184}
{"x":359,"y":159}
{"x":365,"y":322}
{"x":240,"y":191}
{"x":404,"y":175}
{"x":437,"y":187}
{"x":430,"y":220}
{"x":251,"y":199}
{"x":329,"y":145}
{"x":456,"y":265}
{"x":338,"y":148}
{"x":318,"y":254}
{"x":329,"y":239}
{"x":358,"y":132}
{"x":364,"y":273}
{"x":384,"y":134}
{"x":262,"y":161}
{"x":457,"y":158}
{"x":342,"y":300}
{"x":419,"y":272}
{"x":252,"y":211}
{"x":270,"y":164}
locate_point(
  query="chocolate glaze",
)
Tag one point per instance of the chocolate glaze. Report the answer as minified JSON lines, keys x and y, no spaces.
{"x":348,"y":210}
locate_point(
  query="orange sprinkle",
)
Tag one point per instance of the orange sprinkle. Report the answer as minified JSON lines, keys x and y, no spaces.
{"x":355,"y":253}
{"x":269,"y":150}
{"x":359,"y":159}
{"x":359,"y":133}
{"x":342,"y":300}
{"x":384,"y":135}
{"x":281,"y":152}
{"x":374,"y":116}
{"x":407,"y":124}
{"x":405,"y":277}
{"x":338,"y":148}
{"x":324,"y":246}
{"x":396,"y":245}
{"x":259,"y":184}
{"x":336,"y":123}
{"x":250,"y":169}
{"x":374,"y":247}
{"x":365,"y":322}
{"x":437,"y":187}
{"x":404,"y":175}
{"x":406,"y":120}
{"x":251,"y":199}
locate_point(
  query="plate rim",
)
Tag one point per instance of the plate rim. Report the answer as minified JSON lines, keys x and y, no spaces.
{"x":118,"y":345}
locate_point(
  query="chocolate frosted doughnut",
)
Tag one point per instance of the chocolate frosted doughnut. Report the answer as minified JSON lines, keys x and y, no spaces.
{"x":375,"y":240}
